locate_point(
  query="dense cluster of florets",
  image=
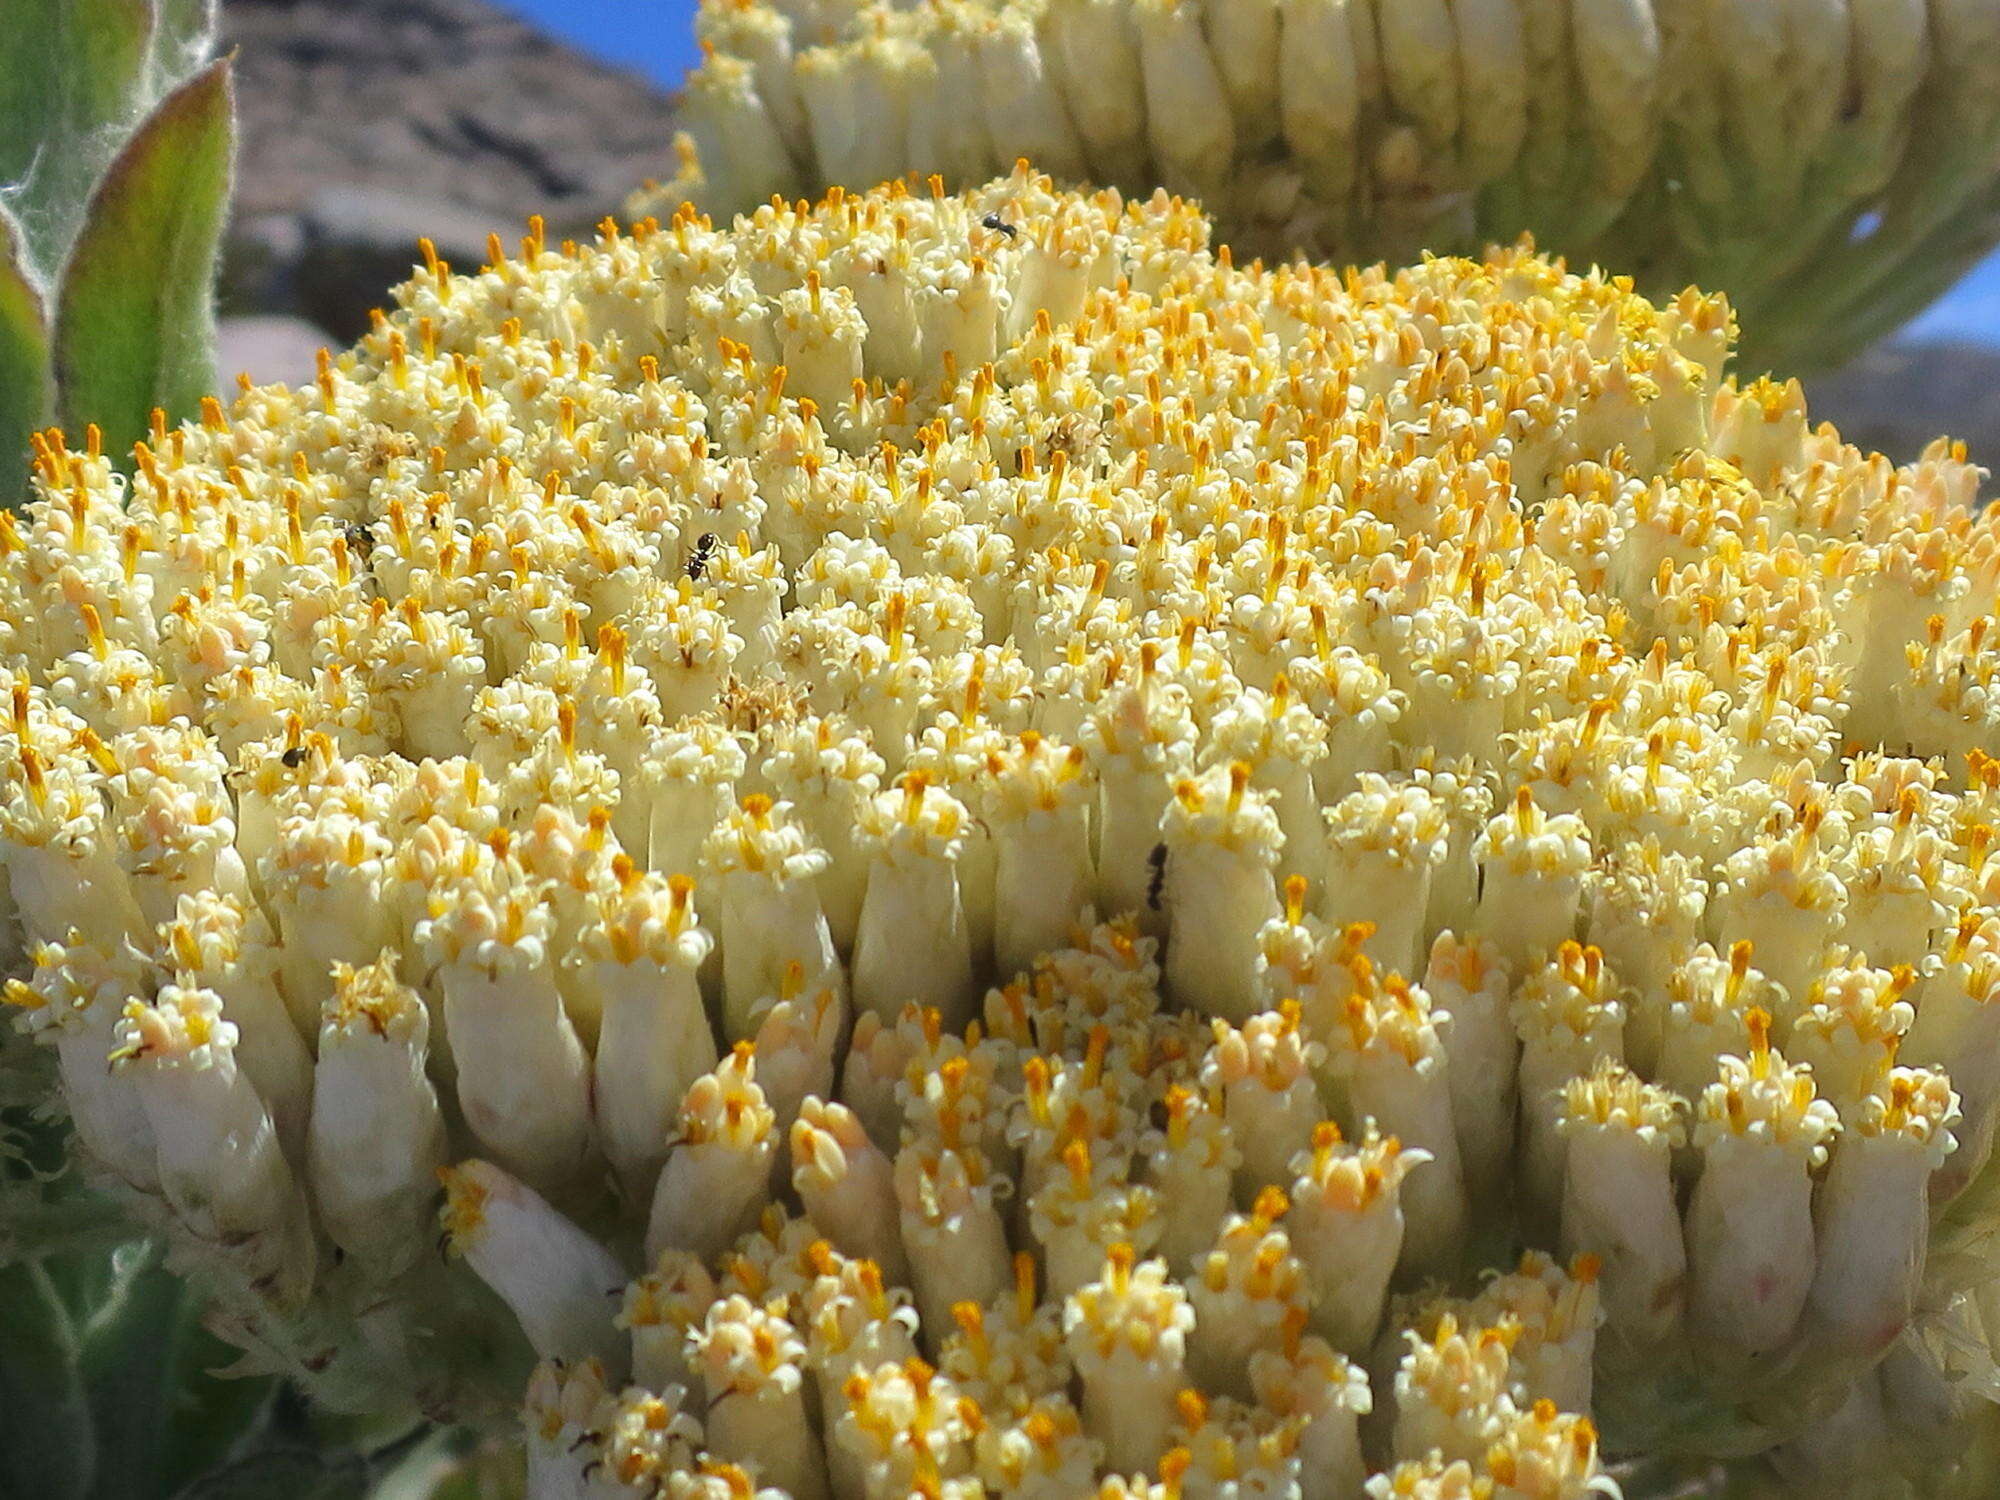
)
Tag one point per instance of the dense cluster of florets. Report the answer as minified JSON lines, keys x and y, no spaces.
{"x":1826,"y":165}
{"x":994,"y":855}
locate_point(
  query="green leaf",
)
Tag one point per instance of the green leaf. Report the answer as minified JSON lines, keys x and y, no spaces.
{"x":50,"y":1449}
{"x":72,"y":82}
{"x":452,"y":1464}
{"x":157,"y":1405}
{"x":24,"y":361}
{"x":183,"y":33}
{"x":295,"y":1474}
{"x":135,"y":321}
{"x":36,"y":1223}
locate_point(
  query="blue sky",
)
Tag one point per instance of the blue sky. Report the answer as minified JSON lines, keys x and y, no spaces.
{"x":1971,"y":310}
{"x":656,"y":37}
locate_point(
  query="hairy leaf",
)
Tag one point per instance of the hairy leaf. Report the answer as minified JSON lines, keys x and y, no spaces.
{"x":295,"y":1474}
{"x":135,"y":320}
{"x":50,"y":1450}
{"x":72,"y":83}
{"x":24,"y":361}
{"x":183,"y":33}
{"x":167,"y":1415}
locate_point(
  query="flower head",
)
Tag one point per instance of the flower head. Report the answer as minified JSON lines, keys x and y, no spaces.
{"x":905,"y":771}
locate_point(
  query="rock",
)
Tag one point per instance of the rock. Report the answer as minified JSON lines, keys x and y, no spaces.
{"x":260,"y":259}
{"x":358,"y":241}
{"x":268,"y":348}
{"x":366,"y":123}
{"x":1899,"y":395}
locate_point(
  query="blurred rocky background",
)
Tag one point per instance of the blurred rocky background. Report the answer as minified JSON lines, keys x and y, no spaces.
{"x":367,"y":123}
{"x":1905,"y":391}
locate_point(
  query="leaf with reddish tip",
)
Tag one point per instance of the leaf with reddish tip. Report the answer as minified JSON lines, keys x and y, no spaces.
{"x":24,"y":361}
{"x":135,"y":319}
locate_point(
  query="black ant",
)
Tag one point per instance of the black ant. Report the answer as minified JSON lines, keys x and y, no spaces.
{"x":360,"y":540}
{"x":1157,"y":863}
{"x":293,"y":758}
{"x":994,"y":221}
{"x":704,"y":548}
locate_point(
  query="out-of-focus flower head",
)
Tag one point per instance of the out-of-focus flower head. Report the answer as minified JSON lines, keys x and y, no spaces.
{"x":1831,"y":168}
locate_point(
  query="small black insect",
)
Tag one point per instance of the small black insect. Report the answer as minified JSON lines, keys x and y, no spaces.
{"x":1157,"y":863}
{"x":994,"y":221}
{"x":704,"y":548}
{"x":360,"y":540}
{"x":294,"y":757}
